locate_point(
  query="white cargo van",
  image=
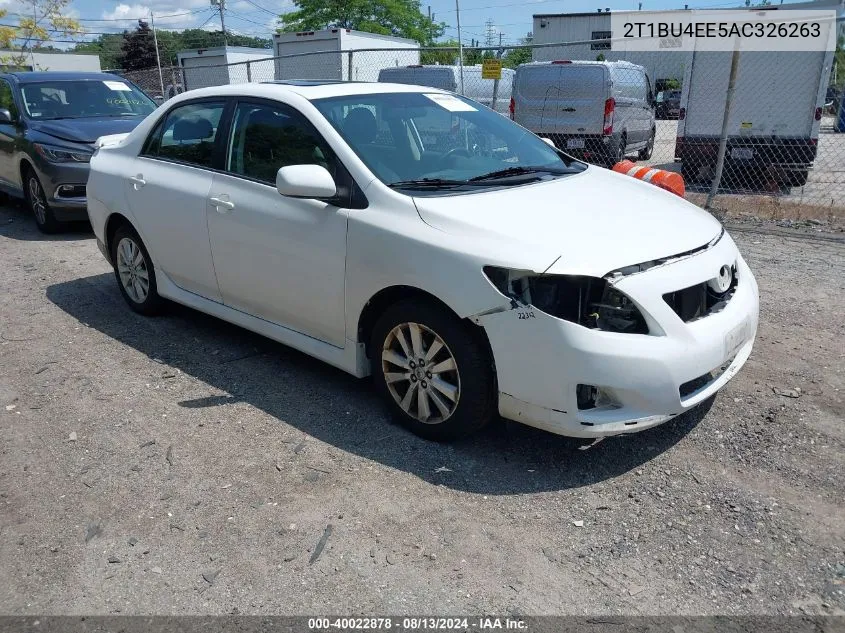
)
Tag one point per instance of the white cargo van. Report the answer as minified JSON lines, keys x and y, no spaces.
{"x":600,"y":111}
{"x":449,"y":78}
{"x":774,"y":119}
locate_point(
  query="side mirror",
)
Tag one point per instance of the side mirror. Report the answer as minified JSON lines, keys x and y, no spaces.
{"x":5,"y":116}
{"x":305,"y":181}
{"x":549,"y":141}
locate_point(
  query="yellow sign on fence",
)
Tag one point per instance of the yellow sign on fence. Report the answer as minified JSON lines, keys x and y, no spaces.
{"x":491,"y":69}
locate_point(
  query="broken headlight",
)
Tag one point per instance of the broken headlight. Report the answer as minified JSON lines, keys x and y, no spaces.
{"x":587,"y":301}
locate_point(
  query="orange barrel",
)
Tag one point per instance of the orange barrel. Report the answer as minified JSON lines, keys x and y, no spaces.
{"x":668,"y":180}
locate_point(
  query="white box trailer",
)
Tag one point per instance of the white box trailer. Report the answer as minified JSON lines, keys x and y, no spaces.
{"x":205,"y":67}
{"x":774,"y":118}
{"x":334,"y":64}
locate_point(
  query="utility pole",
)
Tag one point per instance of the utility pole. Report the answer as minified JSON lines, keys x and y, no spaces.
{"x":158,"y":57}
{"x":221,"y":6}
{"x":460,"y":44}
{"x":430,"y":26}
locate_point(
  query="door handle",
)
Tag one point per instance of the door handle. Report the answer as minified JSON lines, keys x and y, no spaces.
{"x":137,"y":181}
{"x":222,"y":205}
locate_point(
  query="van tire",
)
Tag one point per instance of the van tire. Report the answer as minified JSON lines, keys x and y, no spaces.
{"x":646,"y":152}
{"x":797,"y":178}
{"x":619,"y":151}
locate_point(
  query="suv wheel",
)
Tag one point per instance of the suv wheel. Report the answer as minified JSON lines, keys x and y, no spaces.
{"x":433,"y":371}
{"x":135,"y":272}
{"x":45,"y":219}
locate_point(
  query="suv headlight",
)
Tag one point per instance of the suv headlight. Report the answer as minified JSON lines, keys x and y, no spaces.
{"x":61,"y":154}
{"x":587,"y":301}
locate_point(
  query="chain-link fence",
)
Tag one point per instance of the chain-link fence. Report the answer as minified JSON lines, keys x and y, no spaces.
{"x":752,"y":133}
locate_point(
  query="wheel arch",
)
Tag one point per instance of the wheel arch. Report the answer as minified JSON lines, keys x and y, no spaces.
{"x":114,"y":222}
{"x":24,"y":163}
{"x":386,"y":297}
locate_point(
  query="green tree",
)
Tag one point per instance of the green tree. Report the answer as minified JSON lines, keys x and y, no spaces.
{"x":39,"y":22}
{"x":400,"y":18}
{"x":446,"y":57}
{"x":106,"y":46}
{"x":138,"y":50}
{"x":516,"y":56}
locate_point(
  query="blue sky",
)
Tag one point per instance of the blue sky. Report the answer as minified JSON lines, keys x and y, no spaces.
{"x":256,"y":17}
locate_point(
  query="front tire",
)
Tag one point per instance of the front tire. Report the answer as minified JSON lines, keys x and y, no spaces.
{"x":433,"y":370}
{"x":135,"y":272}
{"x":45,"y":219}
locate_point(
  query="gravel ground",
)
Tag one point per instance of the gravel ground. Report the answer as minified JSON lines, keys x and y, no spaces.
{"x":180,"y":465}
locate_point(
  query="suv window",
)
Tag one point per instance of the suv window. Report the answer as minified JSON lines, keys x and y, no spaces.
{"x":187,"y":134}
{"x":7,"y":100}
{"x":267,"y":137}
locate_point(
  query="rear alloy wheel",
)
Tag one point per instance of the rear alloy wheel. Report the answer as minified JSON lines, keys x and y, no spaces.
{"x":433,"y":371}
{"x":134,"y":272}
{"x":45,"y":219}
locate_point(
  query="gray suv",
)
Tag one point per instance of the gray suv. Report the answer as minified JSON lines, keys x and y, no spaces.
{"x":49,"y":122}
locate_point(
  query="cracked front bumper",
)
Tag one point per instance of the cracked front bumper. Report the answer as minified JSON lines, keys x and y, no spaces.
{"x":540,"y":361}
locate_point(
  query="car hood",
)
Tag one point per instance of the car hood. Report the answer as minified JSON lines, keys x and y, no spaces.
{"x":589,"y":223}
{"x":85,"y":130}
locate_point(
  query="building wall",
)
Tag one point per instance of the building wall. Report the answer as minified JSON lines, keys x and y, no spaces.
{"x":658,"y":65}
{"x":59,"y":61}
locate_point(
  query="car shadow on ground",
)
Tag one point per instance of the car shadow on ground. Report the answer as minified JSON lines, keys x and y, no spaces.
{"x":17,"y":223}
{"x":333,"y":407}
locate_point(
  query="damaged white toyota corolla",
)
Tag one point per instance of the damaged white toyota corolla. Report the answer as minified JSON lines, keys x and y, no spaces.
{"x":413,"y":234}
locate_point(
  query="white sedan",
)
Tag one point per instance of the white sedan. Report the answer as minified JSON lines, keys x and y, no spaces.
{"x":417,"y":236}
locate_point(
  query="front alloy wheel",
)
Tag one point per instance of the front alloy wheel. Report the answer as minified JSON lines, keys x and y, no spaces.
{"x":421,"y":373}
{"x":45,"y":220}
{"x":433,"y":369}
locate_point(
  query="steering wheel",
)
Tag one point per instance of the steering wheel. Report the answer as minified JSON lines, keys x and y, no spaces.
{"x":457,"y":151}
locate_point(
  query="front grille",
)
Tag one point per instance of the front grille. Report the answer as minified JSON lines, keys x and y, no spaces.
{"x":700,"y":300}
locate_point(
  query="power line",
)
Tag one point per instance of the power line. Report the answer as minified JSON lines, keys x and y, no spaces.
{"x":240,"y":17}
{"x":258,"y":6}
{"x":169,"y":15}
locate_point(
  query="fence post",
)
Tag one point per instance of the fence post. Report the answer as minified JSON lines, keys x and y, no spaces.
{"x":723,"y":139}
{"x":349,"y":67}
{"x":249,"y":72}
{"x":184,"y":79}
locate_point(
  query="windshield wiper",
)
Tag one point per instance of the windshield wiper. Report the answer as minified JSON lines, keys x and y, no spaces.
{"x":428,"y":183}
{"x":518,"y":171}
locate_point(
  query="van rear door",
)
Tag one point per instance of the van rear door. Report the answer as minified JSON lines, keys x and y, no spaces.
{"x":753,"y":114}
{"x":561,"y":98}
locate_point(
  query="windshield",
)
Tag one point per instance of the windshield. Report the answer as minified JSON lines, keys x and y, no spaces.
{"x":78,"y":99}
{"x":440,"y":139}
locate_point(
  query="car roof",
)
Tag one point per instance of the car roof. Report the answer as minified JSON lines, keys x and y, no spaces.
{"x":304,"y":88}
{"x":33,"y":76}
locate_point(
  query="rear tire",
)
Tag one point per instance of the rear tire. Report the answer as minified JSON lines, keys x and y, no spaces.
{"x":646,"y":152}
{"x":135,"y":272}
{"x":419,"y":347}
{"x":797,"y":178}
{"x":36,"y":199}
{"x":618,"y":153}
